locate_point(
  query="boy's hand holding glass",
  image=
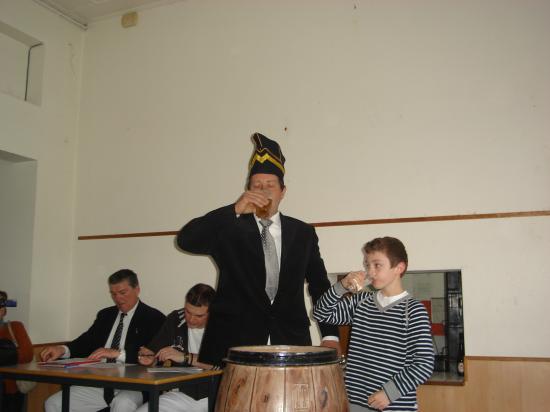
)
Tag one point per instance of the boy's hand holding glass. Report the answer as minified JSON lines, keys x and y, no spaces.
{"x":356,"y":281}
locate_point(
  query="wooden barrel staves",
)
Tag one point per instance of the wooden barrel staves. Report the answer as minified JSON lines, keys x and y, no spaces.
{"x":282,"y":379}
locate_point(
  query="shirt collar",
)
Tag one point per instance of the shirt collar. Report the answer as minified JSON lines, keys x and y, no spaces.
{"x":387,"y":300}
{"x":276,"y":219}
{"x":131,"y":312}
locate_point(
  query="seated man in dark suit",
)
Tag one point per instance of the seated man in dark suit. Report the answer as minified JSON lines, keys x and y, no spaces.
{"x":115,"y":336}
{"x":179,"y":341}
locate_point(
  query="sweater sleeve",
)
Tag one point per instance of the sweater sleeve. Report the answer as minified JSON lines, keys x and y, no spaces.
{"x":420,"y":356}
{"x":335,"y":309}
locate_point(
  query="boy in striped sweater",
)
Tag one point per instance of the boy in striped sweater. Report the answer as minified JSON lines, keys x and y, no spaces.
{"x":390,"y":350}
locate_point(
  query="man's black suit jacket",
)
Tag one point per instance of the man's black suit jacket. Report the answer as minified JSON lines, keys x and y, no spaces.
{"x":144,"y":325}
{"x":174,"y":325}
{"x":241,"y":313}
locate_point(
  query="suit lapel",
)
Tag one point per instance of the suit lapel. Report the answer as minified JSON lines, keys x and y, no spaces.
{"x":252,"y":234}
{"x":256,"y":252}
{"x":133,"y":327}
{"x":288,"y":233}
{"x":108,"y":324}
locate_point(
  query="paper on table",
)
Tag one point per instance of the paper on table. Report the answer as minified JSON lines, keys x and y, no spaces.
{"x":105,"y":365}
{"x":69,"y":363}
{"x":176,"y":370}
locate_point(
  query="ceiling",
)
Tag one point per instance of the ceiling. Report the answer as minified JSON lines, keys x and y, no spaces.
{"x":83,"y":12}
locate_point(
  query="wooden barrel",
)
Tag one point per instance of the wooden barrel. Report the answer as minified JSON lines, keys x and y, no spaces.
{"x":282,"y":379}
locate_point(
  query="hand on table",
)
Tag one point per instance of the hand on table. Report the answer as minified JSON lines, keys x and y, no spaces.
{"x":104,"y":353}
{"x":52,"y":353}
{"x":170,"y":353}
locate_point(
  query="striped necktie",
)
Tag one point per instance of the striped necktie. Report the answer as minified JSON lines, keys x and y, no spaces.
{"x":115,"y":344}
{"x":108,"y":393}
{"x":271,"y":260}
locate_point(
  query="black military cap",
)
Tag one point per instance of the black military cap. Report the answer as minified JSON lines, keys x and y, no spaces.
{"x":267,"y":157}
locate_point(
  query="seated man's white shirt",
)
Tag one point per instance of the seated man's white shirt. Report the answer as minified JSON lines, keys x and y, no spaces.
{"x":125,"y":324}
{"x":194,"y":339}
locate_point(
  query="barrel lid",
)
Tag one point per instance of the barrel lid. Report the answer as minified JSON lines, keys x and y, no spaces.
{"x":281,"y":355}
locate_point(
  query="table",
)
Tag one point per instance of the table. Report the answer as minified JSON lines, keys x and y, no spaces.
{"x":117,"y":376}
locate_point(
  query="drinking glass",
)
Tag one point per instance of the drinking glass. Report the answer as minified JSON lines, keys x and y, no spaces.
{"x":263,"y":212}
{"x":358,"y":281}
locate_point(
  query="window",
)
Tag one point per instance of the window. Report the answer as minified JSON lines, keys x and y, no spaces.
{"x":21,"y":65}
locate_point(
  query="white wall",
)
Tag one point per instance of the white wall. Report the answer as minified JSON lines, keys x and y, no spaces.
{"x":47,"y":133}
{"x":18,"y":186}
{"x":383,"y":109}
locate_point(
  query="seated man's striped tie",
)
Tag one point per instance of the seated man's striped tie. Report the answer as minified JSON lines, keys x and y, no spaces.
{"x":108,"y":393}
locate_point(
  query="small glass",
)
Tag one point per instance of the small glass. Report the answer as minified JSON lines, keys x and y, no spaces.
{"x":356,"y":282}
{"x":263,"y":212}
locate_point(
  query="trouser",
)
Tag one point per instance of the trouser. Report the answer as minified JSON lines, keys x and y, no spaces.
{"x":178,"y":402}
{"x":12,"y":402}
{"x":86,"y":399}
{"x":357,"y":408}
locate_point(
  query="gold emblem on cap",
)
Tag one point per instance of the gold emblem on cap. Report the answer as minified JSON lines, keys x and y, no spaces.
{"x":263,"y":158}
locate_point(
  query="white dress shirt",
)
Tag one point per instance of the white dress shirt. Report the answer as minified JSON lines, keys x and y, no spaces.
{"x":274,"y":230}
{"x":126,"y":323}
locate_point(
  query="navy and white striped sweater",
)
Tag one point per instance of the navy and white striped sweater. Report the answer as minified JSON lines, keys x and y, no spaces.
{"x":390,"y":347}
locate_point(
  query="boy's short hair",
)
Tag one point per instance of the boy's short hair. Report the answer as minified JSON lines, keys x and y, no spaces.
{"x":393,"y":248}
{"x":122,"y":275}
{"x":200,"y":295}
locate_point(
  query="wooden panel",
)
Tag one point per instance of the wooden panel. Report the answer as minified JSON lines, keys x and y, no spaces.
{"x":492,"y":386}
{"x":268,"y":395}
{"x":299,"y":390}
{"x":239,"y":392}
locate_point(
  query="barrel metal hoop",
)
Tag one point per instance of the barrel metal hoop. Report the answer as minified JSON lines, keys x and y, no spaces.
{"x":282,"y":358}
